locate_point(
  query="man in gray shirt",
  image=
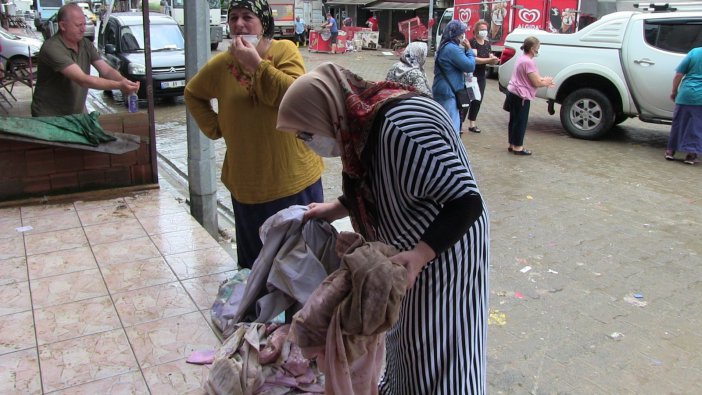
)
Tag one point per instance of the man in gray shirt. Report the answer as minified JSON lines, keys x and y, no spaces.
{"x":63,"y":69}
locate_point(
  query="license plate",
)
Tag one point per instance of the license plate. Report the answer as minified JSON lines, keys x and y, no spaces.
{"x":172,"y":84}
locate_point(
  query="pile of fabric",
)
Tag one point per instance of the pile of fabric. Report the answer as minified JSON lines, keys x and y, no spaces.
{"x":295,"y":258}
{"x":348,"y":294}
{"x":259,"y":359}
{"x":342,"y":324}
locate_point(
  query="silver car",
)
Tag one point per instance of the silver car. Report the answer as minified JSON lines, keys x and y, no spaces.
{"x":16,"y":49}
{"x":50,"y":27}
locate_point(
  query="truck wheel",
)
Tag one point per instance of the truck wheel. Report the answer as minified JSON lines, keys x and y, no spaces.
{"x":587,"y":114}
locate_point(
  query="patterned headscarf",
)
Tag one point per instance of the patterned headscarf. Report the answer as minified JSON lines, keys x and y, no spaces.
{"x":332,"y":101}
{"x":262,"y":11}
{"x":413,"y":57}
{"x":452,"y":31}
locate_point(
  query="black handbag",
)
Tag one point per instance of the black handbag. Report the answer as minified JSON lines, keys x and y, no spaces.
{"x":463,"y":95}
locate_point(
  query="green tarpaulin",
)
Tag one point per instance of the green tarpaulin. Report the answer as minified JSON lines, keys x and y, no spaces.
{"x":75,"y":129}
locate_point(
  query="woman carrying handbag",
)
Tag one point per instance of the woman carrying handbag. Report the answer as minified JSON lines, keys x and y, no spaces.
{"x":453,"y":58}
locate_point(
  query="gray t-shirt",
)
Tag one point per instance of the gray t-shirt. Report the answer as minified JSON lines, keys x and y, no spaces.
{"x":54,"y":94}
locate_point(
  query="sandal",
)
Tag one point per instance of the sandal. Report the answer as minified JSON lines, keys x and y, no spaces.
{"x":474,"y":129}
{"x":691,"y":159}
{"x":522,"y":152}
{"x":669,"y":155}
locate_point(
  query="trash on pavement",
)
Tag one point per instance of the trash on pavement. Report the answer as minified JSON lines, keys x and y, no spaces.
{"x":496,"y":317}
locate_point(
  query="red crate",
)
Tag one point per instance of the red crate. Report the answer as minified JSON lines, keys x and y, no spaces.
{"x":413,"y":29}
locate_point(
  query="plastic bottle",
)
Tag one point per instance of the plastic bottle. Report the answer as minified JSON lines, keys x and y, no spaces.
{"x":133,"y":102}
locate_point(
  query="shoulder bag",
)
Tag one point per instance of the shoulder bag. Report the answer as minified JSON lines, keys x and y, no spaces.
{"x":463,"y":95}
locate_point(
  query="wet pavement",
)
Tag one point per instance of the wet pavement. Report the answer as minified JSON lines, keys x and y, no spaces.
{"x":596,"y":266}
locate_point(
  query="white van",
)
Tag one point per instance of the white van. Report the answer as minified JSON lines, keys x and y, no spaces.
{"x":43,"y":10}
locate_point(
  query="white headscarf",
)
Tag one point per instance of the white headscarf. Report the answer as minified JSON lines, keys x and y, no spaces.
{"x":413,"y":57}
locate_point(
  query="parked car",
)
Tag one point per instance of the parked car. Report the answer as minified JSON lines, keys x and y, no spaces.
{"x":619,"y":67}
{"x":225,"y":26}
{"x":50,"y":27}
{"x":16,"y":50}
{"x":122,"y":46}
{"x":90,"y":15}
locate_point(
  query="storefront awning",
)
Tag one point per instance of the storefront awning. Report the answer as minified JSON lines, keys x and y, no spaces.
{"x":349,"y":2}
{"x":396,"y":5}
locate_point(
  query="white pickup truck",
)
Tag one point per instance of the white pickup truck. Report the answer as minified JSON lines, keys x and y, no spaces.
{"x":618,"y":67}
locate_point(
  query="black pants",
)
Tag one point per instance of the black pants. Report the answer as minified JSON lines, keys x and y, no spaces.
{"x":475,"y":104}
{"x":518,"y":118}
{"x":248,"y":219}
{"x":300,"y":38}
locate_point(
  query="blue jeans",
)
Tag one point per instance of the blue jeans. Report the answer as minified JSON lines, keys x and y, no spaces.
{"x":452,"y":109}
{"x":248,"y":218}
{"x":518,"y":117}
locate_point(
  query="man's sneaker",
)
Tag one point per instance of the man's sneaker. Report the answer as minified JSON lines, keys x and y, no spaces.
{"x":670,"y":155}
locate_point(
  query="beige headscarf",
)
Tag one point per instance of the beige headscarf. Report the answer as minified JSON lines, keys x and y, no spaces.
{"x":332,"y":101}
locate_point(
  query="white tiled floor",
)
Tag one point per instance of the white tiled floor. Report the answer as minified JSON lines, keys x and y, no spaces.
{"x":106,"y":296}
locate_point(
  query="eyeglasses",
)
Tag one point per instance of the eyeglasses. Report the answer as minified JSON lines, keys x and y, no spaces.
{"x":304,"y":136}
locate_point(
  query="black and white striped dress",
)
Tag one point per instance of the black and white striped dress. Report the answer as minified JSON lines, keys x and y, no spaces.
{"x":438,"y":346}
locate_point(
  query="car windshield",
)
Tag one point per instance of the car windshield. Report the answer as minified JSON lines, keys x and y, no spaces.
{"x":163,"y":37}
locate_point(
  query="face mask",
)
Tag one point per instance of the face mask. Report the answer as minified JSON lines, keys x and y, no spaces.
{"x":324,"y":146}
{"x":461,"y":37}
{"x":482,"y":33}
{"x":536,"y":54}
{"x":251,"y":38}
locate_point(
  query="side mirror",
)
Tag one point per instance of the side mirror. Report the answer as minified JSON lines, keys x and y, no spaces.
{"x":110,"y":49}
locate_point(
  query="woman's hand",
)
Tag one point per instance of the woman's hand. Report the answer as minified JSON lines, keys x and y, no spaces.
{"x":547,"y":81}
{"x":329,"y":212}
{"x":414,"y":261}
{"x":246,"y":54}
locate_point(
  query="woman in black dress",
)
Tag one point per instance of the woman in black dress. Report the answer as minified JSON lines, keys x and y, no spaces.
{"x":483,"y":57}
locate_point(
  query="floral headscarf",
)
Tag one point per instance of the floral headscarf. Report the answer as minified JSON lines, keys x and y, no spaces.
{"x":262,"y":11}
{"x":452,"y":31}
{"x":413,"y":57}
{"x":334,"y":102}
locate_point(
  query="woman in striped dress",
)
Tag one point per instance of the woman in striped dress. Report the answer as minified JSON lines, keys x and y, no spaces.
{"x":407,"y":182}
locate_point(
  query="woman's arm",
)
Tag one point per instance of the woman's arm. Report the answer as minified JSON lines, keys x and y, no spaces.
{"x":274,"y":76}
{"x":461,"y":57}
{"x":197,"y":95}
{"x":453,"y":221}
{"x":538,"y":81}
{"x":330,"y":211}
{"x":676,"y":84}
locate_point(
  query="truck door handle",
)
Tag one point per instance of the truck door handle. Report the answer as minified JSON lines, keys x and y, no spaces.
{"x":645,"y":61}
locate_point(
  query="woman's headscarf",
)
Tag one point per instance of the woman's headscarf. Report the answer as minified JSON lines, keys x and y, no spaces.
{"x":332,"y":101}
{"x":452,"y":31}
{"x":262,"y":11}
{"x":413,"y":57}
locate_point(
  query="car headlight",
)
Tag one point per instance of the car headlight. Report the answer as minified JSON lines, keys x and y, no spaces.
{"x":136,"y":69}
